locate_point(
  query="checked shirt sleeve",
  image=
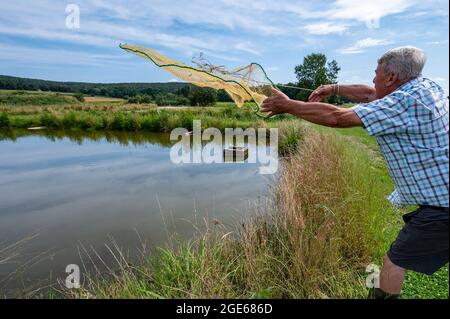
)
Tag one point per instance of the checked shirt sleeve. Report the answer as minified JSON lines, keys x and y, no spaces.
{"x":385,"y":116}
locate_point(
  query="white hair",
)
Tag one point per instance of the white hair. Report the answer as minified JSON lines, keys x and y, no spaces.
{"x":407,"y":62}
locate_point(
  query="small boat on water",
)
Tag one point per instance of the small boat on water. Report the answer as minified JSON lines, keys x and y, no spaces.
{"x":239,"y":152}
{"x":37,"y":128}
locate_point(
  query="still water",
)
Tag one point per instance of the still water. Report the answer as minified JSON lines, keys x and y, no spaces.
{"x":60,"y":191}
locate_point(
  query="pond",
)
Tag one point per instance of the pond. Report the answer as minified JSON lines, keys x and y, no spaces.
{"x":62,"y":192}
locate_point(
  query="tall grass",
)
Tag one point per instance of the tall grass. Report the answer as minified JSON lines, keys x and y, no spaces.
{"x":312,"y":239}
{"x":131,"y":120}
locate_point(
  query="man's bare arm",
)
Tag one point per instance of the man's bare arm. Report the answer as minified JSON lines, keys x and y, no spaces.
{"x":324,"y":114}
{"x":315,"y":112}
{"x":355,"y":92}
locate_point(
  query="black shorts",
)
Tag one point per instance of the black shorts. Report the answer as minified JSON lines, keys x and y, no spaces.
{"x":422,"y":244}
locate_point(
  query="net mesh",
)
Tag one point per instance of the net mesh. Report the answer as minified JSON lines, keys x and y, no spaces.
{"x":248,"y":83}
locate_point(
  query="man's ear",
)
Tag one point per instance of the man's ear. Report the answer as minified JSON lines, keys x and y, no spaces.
{"x":390,"y":79}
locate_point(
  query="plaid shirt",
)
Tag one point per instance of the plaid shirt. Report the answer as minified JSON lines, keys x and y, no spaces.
{"x":411,"y":128}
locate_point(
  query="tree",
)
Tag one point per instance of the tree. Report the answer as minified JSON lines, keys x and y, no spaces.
{"x":184,"y":91}
{"x":138,"y":99}
{"x":289,"y":89}
{"x":315,"y":71}
{"x":222,"y":96}
{"x":199,"y":96}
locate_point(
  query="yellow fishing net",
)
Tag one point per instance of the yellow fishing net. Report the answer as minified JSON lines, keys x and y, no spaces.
{"x":248,"y":83}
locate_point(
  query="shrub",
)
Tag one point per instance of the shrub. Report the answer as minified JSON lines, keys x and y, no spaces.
{"x":151,"y":122}
{"x":118,"y":122}
{"x":69,"y":119}
{"x":50,"y":120}
{"x":133,"y":100}
{"x":4,"y":120}
{"x":79,"y":97}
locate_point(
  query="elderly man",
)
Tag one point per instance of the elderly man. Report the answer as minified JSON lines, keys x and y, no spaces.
{"x":408,"y":115}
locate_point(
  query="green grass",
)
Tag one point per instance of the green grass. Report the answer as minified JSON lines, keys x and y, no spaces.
{"x":231,"y":104}
{"x":420,"y":286}
{"x":131,"y":119}
{"x":8,"y":92}
{"x":23,"y":98}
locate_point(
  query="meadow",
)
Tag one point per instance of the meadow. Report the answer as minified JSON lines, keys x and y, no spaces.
{"x":327,"y":217}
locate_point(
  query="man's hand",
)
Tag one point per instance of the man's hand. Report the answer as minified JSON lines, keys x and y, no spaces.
{"x":321,"y":93}
{"x":276,"y":104}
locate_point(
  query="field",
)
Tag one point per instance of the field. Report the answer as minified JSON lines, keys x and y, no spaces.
{"x":327,"y":218}
{"x":22,"y":98}
{"x":94,"y":99}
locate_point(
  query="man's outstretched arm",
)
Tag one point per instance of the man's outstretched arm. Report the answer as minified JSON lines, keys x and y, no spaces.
{"x":355,"y":92}
{"x":315,"y":112}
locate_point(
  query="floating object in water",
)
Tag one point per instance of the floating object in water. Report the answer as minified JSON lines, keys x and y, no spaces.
{"x":37,"y":128}
{"x":235,"y":153}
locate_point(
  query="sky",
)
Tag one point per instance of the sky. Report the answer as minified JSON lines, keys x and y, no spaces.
{"x":43,"y":39}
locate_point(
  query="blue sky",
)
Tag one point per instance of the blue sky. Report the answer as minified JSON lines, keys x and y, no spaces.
{"x":35,"y":41}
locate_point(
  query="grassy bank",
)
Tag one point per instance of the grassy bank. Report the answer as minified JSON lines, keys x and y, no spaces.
{"x":130,"y":118}
{"x":24,"y":109}
{"x":328,"y":218}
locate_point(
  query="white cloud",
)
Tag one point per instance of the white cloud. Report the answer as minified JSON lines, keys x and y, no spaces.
{"x":438,"y":42}
{"x":368,"y":10}
{"x":363,"y":44}
{"x":233,"y":15}
{"x":247,"y":47}
{"x":105,"y":23}
{"x":57,"y":56}
{"x":439,"y":79}
{"x":325,"y":28}
{"x":42,"y":20}
{"x":229,"y":30}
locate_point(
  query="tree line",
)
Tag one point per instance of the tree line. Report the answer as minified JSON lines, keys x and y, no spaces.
{"x":314,"y":71}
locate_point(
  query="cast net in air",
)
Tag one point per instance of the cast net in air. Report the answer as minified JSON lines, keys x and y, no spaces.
{"x":243,"y":84}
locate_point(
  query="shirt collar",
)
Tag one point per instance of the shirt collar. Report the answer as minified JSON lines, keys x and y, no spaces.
{"x":405,"y":86}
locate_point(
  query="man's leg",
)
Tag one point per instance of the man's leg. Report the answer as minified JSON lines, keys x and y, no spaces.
{"x":425,"y":230}
{"x":391,"y":277}
{"x":391,"y":281}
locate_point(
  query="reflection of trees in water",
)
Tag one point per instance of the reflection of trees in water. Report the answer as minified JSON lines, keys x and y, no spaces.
{"x":123,"y":138}
{"x":79,"y":137}
{"x":8,"y":135}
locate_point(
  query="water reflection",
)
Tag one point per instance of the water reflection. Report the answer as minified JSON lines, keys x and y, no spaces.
{"x":76,"y":187}
{"x":79,"y":136}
